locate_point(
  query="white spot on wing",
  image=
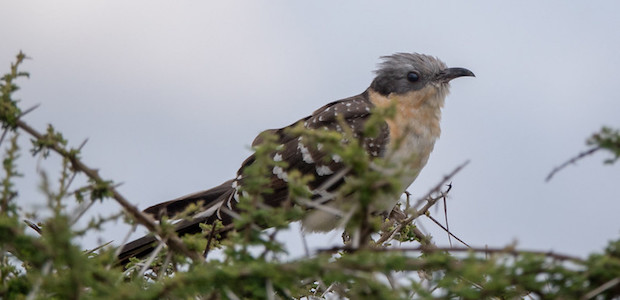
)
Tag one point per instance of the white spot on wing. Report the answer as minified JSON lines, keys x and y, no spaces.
{"x":280,"y":173}
{"x":323,"y":170}
{"x":336,"y":158}
{"x":277,"y":157}
{"x":305,"y":153}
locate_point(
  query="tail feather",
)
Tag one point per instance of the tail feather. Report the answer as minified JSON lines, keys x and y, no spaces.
{"x":211,"y":200}
{"x":173,"y":207}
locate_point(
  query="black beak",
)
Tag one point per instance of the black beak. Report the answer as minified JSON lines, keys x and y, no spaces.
{"x":450,"y":73}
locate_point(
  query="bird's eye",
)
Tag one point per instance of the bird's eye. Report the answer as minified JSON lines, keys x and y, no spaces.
{"x":413,"y":76}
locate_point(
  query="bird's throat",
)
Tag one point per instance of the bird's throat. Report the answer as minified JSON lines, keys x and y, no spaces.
{"x":414,"y":128}
{"x":418,"y":113}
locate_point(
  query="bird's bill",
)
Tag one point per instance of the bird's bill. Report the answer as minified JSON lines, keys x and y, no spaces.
{"x":450,"y":73}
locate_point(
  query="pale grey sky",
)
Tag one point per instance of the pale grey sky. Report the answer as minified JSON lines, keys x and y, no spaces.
{"x":171,"y":94}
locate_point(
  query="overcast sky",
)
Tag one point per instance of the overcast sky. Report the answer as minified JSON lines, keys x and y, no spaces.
{"x":170,"y":95}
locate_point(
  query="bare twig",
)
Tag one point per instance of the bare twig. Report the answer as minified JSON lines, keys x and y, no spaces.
{"x":29,"y":110}
{"x":485,"y":250}
{"x":408,"y":200}
{"x":151,"y":258}
{"x":304,"y":242}
{"x":97,"y":248}
{"x":571,"y":161}
{"x":82,"y":144}
{"x":447,"y":230}
{"x":124,"y":240}
{"x":81,"y":210}
{"x":317,"y":205}
{"x":439,"y":185}
{"x":3,"y":135}
{"x":164,"y":266}
{"x":205,"y":253}
{"x":230,"y":294}
{"x":609,"y":284}
{"x":47,"y":267}
{"x":269,"y":289}
{"x":430,"y":202}
{"x":331,"y":181}
{"x":445,"y":213}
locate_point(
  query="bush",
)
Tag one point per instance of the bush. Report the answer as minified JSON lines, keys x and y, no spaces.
{"x":51,"y":264}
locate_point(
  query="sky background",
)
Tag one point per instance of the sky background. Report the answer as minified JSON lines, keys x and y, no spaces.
{"x":170,"y":95}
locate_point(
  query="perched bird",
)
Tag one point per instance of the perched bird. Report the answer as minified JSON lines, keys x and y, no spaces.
{"x":416,"y":83}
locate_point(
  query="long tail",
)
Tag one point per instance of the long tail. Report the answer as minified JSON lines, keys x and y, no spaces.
{"x":211,"y":199}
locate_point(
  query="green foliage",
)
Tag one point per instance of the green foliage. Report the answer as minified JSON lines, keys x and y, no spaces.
{"x":9,"y":111}
{"x":46,"y":142}
{"x":607,"y":139}
{"x":253,"y":263}
{"x":7,"y":206}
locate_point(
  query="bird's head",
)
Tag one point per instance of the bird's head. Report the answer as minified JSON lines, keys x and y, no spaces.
{"x":402,"y":73}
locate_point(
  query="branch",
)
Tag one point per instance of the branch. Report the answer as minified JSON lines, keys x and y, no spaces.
{"x":571,"y":161}
{"x":430,"y":202}
{"x":172,"y":240}
{"x":486,"y":250}
{"x":437,"y":188}
{"x":447,"y":230}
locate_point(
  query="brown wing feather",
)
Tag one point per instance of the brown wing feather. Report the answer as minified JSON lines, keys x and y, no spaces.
{"x":309,"y":159}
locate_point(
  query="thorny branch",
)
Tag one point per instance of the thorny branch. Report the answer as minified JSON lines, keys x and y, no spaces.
{"x":172,"y":240}
{"x":571,"y":161}
{"x":416,"y":213}
{"x":486,"y":250}
{"x":445,"y":228}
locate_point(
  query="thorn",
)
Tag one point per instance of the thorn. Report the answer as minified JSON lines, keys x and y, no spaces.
{"x":29,"y":110}
{"x":449,"y":185}
{"x":82,"y":144}
{"x":3,"y":135}
{"x":97,"y":248}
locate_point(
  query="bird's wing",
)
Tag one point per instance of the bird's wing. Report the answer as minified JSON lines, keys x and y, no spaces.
{"x":311,"y":159}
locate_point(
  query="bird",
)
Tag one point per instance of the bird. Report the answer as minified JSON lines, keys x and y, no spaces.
{"x":415,"y":84}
